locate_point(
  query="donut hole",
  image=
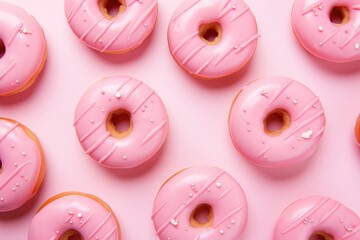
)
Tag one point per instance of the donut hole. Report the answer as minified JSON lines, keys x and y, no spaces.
{"x":119,"y":123}
{"x":202,"y":216}
{"x":112,"y":8}
{"x":71,"y":235}
{"x":321,"y":235}
{"x":2,"y":49}
{"x":339,"y":15}
{"x":210,"y":33}
{"x":276,"y":122}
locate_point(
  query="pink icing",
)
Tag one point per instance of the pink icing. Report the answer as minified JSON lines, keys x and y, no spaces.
{"x":294,"y":144}
{"x":182,"y":193}
{"x":316,"y":213}
{"x":148,"y":114}
{"x":74,"y":212}
{"x":25,"y":46}
{"x":230,"y":54}
{"x":21,"y":163}
{"x":314,"y":29}
{"x":125,"y":32}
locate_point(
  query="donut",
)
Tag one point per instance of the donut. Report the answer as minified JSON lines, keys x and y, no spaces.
{"x":111,"y":26}
{"x":317,"y":218}
{"x":213,"y":38}
{"x":328,"y":29}
{"x":22,"y":164}
{"x":200,"y":203}
{"x":74,"y":215}
{"x":276,"y":121}
{"x":357,"y":131}
{"x":121,"y":122}
{"x":22,"y":49}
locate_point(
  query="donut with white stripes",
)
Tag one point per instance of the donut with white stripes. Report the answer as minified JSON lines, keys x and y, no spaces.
{"x":121,"y":122}
{"x":74,"y":215}
{"x":22,"y":164}
{"x":276,"y":122}
{"x":111,"y":26}
{"x":212,"y":38}
{"x":200,"y":203}
{"x":317,"y":217}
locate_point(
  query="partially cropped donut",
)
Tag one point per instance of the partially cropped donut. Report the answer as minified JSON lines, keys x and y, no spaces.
{"x":357,"y":131}
{"x":22,"y":164}
{"x":111,"y":26}
{"x":22,"y":49}
{"x":276,"y":121}
{"x":212,"y":38}
{"x":317,"y":218}
{"x":74,"y":215}
{"x":200,"y":203}
{"x":121,"y":122}
{"x":328,"y":29}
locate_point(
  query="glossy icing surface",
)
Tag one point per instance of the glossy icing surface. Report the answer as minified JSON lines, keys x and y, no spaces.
{"x":314,"y":214}
{"x":318,"y":34}
{"x":21,"y":163}
{"x":296,"y":143}
{"x":25,"y":48}
{"x":74,"y":212}
{"x":230,"y":54}
{"x":185,"y":191}
{"x":124,"y":32}
{"x":148,"y":116}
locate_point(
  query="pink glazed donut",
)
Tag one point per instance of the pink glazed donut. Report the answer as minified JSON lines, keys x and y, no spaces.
{"x":74,"y":215}
{"x":22,"y":49}
{"x":200,"y":203}
{"x":212,"y":38}
{"x":328,"y":29}
{"x":22,"y":164}
{"x":112,"y":26}
{"x":293,"y":106}
{"x":130,"y":102}
{"x":317,"y":218}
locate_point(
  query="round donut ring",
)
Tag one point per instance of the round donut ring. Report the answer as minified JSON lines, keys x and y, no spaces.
{"x":22,"y":49}
{"x":121,"y":99}
{"x":328,"y":29}
{"x":276,"y":100}
{"x":317,"y":217}
{"x":74,"y":215}
{"x":95,"y":25}
{"x":22,"y":164}
{"x":212,"y":38}
{"x":200,"y":191}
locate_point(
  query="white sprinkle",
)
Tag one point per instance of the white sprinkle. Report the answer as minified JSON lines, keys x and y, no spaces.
{"x":57,"y":232}
{"x":190,"y":195}
{"x":218,"y":184}
{"x":293,"y":147}
{"x":96,"y":237}
{"x":295,"y":101}
{"x":70,"y":213}
{"x":184,"y":202}
{"x":234,"y":6}
{"x":321,"y":6}
{"x":12,"y":146}
{"x":13,"y":189}
{"x":174,"y":222}
{"x":140,"y":1}
{"x":145,"y":24}
{"x":15,"y":164}
{"x":23,"y":153}
{"x":265,"y":156}
{"x":124,"y":157}
{"x":79,"y":215}
{"x":100,"y":41}
{"x":92,"y":121}
{"x":228,"y":226}
{"x":208,"y":189}
{"x":236,"y":46}
{"x":2,"y":199}
{"x":307,"y":134}
{"x":26,"y":179}
{"x":287,"y":96}
{"x":103,"y":110}
{"x":314,"y":106}
{"x":357,"y":46}
{"x":221,"y":232}
{"x":118,"y":95}
{"x":17,"y":81}
{"x":71,"y":222}
{"x":341,"y":220}
{"x":151,"y":120}
{"x":17,"y":184}
{"x":321,"y":28}
{"x":232,"y":221}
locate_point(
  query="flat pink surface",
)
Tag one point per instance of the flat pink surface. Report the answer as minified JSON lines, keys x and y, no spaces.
{"x":198,"y":115}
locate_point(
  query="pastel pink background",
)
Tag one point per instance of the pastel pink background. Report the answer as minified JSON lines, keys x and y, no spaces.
{"x":198,"y":112}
